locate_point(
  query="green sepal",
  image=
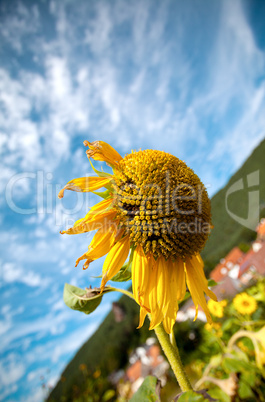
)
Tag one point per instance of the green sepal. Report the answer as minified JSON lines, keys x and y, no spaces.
{"x":149,"y":391}
{"x":187,"y":296}
{"x":102,"y":194}
{"x":85,"y":300}
{"x":99,"y":173}
{"x":124,"y":274}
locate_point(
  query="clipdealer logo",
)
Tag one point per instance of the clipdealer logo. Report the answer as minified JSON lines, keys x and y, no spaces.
{"x":252,"y":187}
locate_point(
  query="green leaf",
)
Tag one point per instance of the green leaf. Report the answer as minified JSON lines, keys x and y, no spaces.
{"x":149,"y":391}
{"x":249,"y":378}
{"x":191,"y":396}
{"x":235,"y":365}
{"x":218,"y":394}
{"x":211,"y":283}
{"x":228,"y":324}
{"x":195,"y":396}
{"x":83,"y":300}
{"x":244,"y":391}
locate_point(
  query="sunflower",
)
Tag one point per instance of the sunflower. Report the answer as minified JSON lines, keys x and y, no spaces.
{"x":156,"y":212}
{"x":244,"y":303}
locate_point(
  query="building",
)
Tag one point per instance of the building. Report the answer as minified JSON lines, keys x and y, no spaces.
{"x":146,"y":360}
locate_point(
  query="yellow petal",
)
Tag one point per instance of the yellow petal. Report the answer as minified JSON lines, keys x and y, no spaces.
{"x":198,"y":264}
{"x":143,"y":313}
{"x":141,"y":271}
{"x":177,"y":279}
{"x":98,"y":216}
{"x":85,"y":184}
{"x":101,"y":151}
{"x":197,"y":287}
{"x":158,"y":293}
{"x":168,"y":324}
{"x":100,"y":245}
{"x":96,"y":222}
{"x":102,"y":205}
{"x":115,"y":260}
{"x":176,"y":289}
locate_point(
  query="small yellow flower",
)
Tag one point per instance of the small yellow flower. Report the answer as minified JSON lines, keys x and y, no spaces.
{"x":157,"y":211}
{"x":215,"y":327}
{"x":216,"y":308}
{"x":245,"y":304}
{"x":223,"y":303}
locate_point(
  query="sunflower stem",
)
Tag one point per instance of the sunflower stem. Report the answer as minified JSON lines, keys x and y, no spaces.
{"x":125,"y":292}
{"x":173,"y":357}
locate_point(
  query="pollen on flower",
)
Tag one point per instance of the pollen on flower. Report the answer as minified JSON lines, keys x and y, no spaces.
{"x":162,"y":204}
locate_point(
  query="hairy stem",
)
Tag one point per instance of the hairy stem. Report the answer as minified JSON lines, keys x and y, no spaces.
{"x":173,"y":357}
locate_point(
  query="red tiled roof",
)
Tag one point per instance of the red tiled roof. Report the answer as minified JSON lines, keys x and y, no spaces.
{"x":216,"y":273}
{"x":235,"y":256}
{"x":225,"y":289}
{"x":134,"y":371}
{"x":245,"y":263}
{"x":154,"y":353}
{"x":260,"y":229}
{"x":258,"y":260}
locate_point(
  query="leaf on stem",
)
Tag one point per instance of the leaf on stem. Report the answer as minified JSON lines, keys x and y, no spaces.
{"x":85,"y":300}
{"x":149,"y":391}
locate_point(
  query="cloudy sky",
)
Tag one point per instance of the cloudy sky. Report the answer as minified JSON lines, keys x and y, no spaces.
{"x":183,"y":77}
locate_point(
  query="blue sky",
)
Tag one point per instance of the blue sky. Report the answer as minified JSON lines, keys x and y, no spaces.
{"x":184,"y":77}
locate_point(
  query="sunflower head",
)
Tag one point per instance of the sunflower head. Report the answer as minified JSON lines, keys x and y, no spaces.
{"x":156,"y":211}
{"x":162,"y":204}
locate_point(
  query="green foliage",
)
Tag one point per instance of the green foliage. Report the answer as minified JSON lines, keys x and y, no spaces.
{"x":220,"y":395}
{"x":148,"y":392}
{"x":227,"y":360}
{"x":83,"y":300}
{"x":227,"y":233}
{"x":245,"y":247}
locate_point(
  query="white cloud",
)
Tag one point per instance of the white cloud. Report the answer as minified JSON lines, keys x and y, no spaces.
{"x":11,"y":370}
{"x":97,"y":35}
{"x":11,"y":272}
{"x":36,"y":396}
{"x":19,"y":25}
